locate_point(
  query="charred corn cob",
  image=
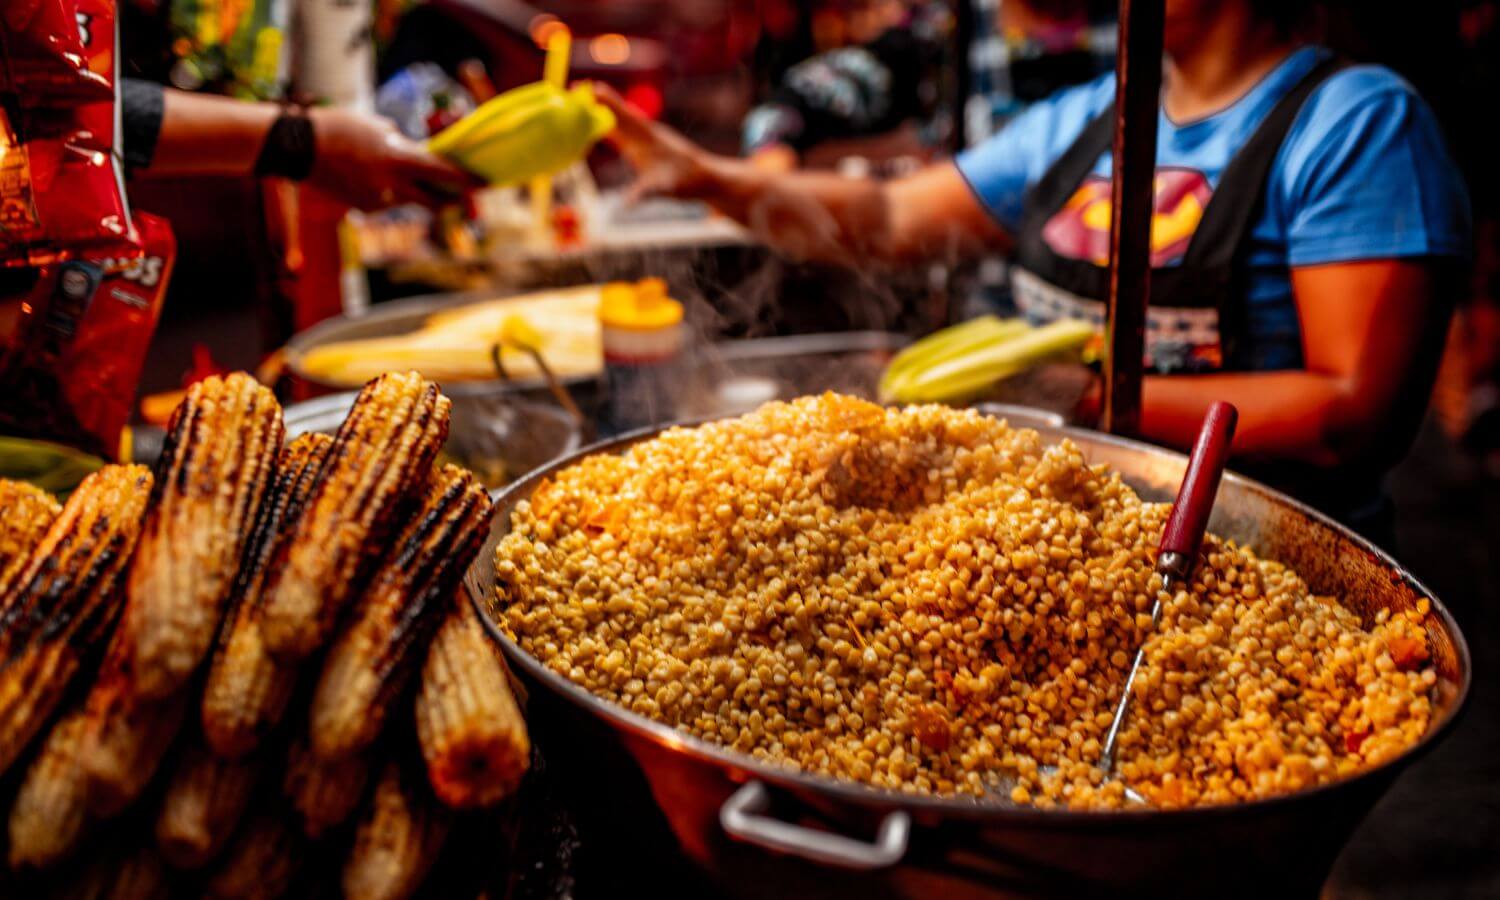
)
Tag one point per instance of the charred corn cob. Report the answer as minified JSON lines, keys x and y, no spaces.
{"x":380,"y":457}
{"x":246,"y":690}
{"x":126,"y":735}
{"x":261,"y":861}
{"x":373,"y":656}
{"x":221,"y":445}
{"x":130,"y":873}
{"x":397,"y":841}
{"x":51,"y":806}
{"x":468,"y":724}
{"x":29,"y":510}
{"x":68,"y":581}
{"x":202,"y":805}
{"x":64,"y":597}
{"x":32,"y":683}
{"x":323,"y":792}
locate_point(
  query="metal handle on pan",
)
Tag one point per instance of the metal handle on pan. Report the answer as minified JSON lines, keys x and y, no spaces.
{"x":1183,"y":533}
{"x":742,"y":818}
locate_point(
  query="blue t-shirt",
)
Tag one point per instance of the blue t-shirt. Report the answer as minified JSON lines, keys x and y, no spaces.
{"x":1363,"y":174}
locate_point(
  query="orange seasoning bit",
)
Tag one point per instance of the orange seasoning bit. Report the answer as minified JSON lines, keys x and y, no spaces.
{"x":1407,"y":652}
{"x":932,"y":728}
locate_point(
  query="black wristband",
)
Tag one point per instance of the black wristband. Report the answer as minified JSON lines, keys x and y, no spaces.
{"x":288,"y":151}
{"x":141,"y":108}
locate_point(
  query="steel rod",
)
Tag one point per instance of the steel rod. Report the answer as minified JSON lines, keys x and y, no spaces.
{"x":1138,"y":66}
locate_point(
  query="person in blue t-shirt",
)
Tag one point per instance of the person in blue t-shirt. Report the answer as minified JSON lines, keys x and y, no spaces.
{"x":1309,"y":237}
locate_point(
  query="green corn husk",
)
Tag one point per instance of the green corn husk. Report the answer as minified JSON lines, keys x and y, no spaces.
{"x":51,"y":467}
{"x":964,"y":375}
{"x":940,"y":346}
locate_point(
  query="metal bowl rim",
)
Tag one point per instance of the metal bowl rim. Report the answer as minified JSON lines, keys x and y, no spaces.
{"x":742,"y":767}
{"x":339,"y":404}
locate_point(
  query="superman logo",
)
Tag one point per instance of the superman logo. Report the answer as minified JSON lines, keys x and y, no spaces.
{"x":1080,"y":230}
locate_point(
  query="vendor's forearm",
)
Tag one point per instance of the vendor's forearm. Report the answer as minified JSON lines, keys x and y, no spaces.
{"x":931,"y":215}
{"x":206,"y":135}
{"x":1289,"y":415}
{"x":810,"y":215}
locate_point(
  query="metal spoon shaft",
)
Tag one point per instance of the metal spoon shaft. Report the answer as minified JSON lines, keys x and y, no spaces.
{"x":1107,"y":757}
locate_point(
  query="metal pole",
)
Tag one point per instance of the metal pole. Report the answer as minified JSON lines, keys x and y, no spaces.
{"x":1138,"y":79}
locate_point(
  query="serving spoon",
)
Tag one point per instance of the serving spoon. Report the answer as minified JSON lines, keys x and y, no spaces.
{"x":1177,"y":552}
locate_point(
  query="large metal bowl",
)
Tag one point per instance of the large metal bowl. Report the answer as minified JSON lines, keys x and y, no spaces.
{"x":725,"y":810}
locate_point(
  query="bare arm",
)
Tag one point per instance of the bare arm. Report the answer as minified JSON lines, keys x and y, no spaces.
{"x":361,"y":159}
{"x":206,"y":135}
{"x":1372,"y":333}
{"x":809,"y":215}
{"x":834,"y":218}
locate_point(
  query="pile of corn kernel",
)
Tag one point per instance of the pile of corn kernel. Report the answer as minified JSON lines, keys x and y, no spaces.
{"x":928,"y":600}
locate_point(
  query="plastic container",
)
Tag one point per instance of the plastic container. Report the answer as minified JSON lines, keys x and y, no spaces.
{"x":642,"y":334}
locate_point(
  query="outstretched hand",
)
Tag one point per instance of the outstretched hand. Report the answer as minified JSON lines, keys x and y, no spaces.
{"x":665,"y":162}
{"x":366,"y":162}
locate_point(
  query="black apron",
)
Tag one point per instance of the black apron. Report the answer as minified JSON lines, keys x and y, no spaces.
{"x":1197,"y":318}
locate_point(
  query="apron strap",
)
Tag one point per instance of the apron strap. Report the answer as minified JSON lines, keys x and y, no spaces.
{"x":1068,"y":172}
{"x":1238,"y":199}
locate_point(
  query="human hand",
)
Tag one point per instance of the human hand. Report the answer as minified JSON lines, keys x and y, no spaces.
{"x":366,"y":162}
{"x":665,"y":162}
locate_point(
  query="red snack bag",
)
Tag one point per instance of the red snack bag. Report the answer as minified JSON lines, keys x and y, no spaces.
{"x":84,"y":327}
{"x":93,"y":124}
{"x":74,"y":199}
{"x":62,"y":185}
{"x":62,"y":190}
{"x":20,"y":224}
{"x":48,"y":54}
{"x":105,"y":361}
{"x":32,"y":374}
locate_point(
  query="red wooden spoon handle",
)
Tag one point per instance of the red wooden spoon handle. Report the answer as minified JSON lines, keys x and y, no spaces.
{"x":1200,"y":483}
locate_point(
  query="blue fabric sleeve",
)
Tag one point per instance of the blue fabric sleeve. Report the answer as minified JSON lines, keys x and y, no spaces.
{"x":1365,"y":175}
{"x":1000,"y":170}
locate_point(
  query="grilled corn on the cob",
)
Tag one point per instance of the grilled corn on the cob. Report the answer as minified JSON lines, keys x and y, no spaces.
{"x":455,"y":345}
{"x":29,"y":510}
{"x":221,"y":445}
{"x":126,"y":735}
{"x":64,"y":596}
{"x":202,"y":805}
{"x":51,"y":807}
{"x":68,"y":581}
{"x":323,"y":792}
{"x":370,"y":661}
{"x":247,"y":690}
{"x":380,"y":457}
{"x":261,"y":861}
{"x":398,"y":839}
{"x":468,"y":724}
{"x":128,"y":873}
{"x":32,"y":683}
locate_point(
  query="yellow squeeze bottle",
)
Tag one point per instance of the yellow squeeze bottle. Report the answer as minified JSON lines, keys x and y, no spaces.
{"x":642,"y":331}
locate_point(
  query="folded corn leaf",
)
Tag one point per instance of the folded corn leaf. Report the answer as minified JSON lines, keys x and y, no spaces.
{"x":963,"y":376}
{"x":943,"y":345}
